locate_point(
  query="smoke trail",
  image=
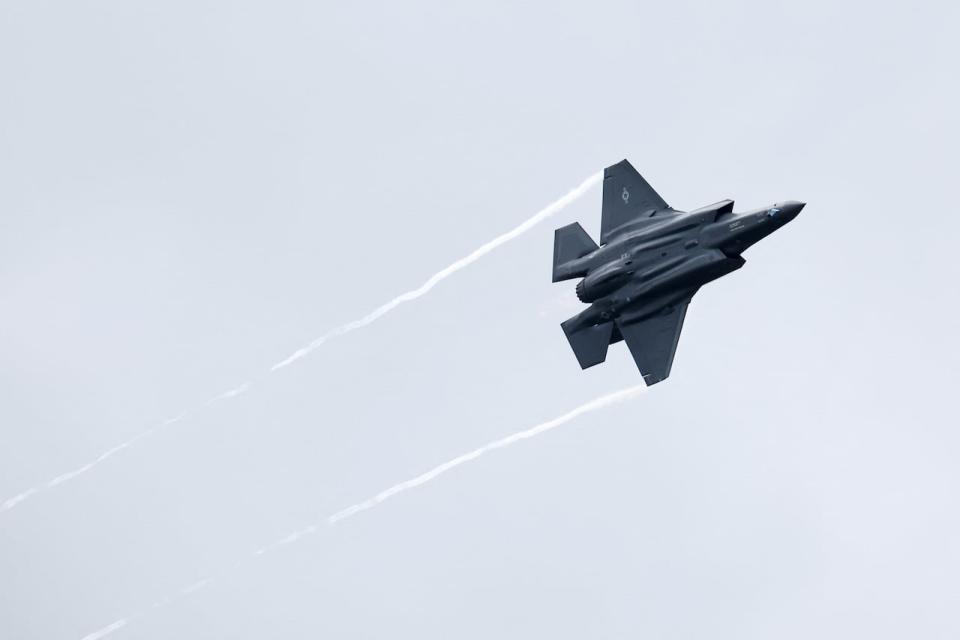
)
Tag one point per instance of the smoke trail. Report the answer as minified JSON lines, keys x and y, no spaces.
{"x":10,"y":503}
{"x":196,"y":586}
{"x":107,"y":630}
{"x":441,"y":275}
{"x":371,"y":317}
{"x":595,"y":404}
{"x":386,"y":494}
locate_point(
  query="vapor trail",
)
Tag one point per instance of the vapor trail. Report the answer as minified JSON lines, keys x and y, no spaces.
{"x":543,"y":427}
{"x":107,"y":630}
{"x":371,"y":317}
{"x":441,"y":275}
{"x":10,"y":503}
{"x":422,"y":479}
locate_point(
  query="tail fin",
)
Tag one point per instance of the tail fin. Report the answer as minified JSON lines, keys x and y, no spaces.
{"x":590,"y":343}
{"x":569,"y":243}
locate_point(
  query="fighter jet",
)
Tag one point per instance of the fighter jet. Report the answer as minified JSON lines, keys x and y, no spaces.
{"x":651,"y":260}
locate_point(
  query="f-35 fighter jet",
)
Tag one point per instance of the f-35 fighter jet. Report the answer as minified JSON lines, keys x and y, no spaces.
{"x":651,"y":262}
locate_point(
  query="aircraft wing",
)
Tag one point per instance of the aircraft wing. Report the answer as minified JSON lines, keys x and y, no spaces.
{"x":627,"y":197}
{"x":653,"y":341}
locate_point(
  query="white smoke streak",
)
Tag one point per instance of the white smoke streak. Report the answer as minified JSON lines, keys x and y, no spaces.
{"x":107,"y":630}
{"x":386,"y":494}
{"x":230,"y":393}
{"x":70,"y":475}
{"x":10,"y":503}
{"x":441,"y":275}
{"x":598,"y":403}
{"x":196,"y":586}
{"x":380,"y":311}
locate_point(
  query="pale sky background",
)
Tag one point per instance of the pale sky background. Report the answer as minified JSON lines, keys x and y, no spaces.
{"x":189,"y":191}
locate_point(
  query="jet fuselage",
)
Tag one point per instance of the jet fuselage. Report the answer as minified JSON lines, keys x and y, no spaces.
{"x":651,"y":261}
{"x":633,"y":275}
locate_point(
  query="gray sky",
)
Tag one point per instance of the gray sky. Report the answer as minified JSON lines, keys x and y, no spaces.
{"x":191,"y":191}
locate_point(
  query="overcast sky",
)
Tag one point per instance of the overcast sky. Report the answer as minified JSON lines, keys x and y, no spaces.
{"x":190,"y":191}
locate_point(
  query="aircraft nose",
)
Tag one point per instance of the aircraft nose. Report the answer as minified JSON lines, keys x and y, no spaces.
{"x":790,"y":209}
{"x":794,"y":206}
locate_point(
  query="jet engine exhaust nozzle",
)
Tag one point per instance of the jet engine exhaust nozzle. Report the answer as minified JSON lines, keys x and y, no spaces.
{"x":580,"y":293}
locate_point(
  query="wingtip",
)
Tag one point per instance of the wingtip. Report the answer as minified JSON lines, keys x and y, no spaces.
{"x":609,"y":170}
{"x":650,"y":379}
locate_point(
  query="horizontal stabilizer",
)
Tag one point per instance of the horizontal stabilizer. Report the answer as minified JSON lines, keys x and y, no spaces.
{"x":589,"y":344}
{"x":569,"y":243}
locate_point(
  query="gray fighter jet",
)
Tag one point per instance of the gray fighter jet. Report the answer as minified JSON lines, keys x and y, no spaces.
{"x":651,"y":262}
